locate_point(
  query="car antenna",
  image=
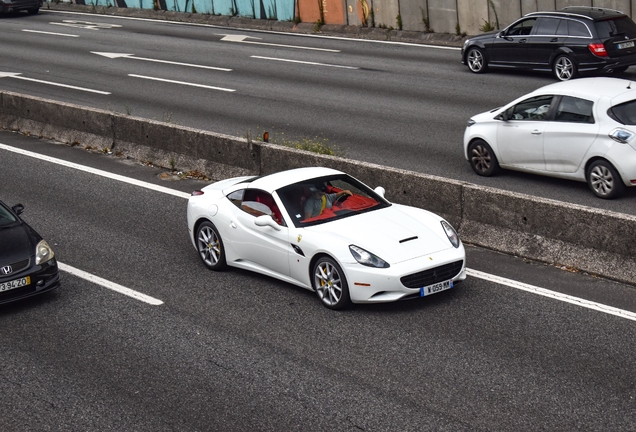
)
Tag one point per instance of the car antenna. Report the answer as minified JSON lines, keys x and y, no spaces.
{"x":629,"y":86}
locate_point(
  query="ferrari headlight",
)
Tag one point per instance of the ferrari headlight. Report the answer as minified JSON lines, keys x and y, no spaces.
{"x":451,"y":234}
{"x":367,"y":258}
{"x":43,"y":252}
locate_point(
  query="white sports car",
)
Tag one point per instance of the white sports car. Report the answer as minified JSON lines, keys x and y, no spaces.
{"x":325,"y":231}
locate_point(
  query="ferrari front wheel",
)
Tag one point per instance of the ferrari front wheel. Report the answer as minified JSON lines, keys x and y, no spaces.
{"x":330,"y":283}
{"x":210,"y":246}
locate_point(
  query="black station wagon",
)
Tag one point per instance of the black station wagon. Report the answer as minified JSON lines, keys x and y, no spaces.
{"x":576,"y":40}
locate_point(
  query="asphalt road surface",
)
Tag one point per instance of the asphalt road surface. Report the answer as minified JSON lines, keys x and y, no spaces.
{"x":400,"y":105}
{"x":238,"y":351}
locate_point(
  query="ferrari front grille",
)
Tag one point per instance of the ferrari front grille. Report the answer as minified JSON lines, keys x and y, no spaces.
{"x":432,"y":276}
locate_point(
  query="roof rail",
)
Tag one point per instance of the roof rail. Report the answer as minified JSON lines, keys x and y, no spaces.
{"x":591,"y":8}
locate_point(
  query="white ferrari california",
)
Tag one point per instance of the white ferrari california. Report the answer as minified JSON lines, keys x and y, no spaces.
{"x":325,"y":231}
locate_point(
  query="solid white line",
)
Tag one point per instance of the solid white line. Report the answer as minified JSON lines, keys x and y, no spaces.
{"x":60,"y":85}
{"x":304,"y":62}
{"x":288,"y":46}
{"x":350,"y":39}
{"x":50,"y":33}
{"x":181,"y":82}
{"x":98,"y":172}
{"x":553,"y":294}
{"x":110,"y":285}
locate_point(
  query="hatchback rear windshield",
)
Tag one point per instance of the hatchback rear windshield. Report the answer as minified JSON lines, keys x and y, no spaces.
{"x":624,"y":113}
{"x":616,"y":27}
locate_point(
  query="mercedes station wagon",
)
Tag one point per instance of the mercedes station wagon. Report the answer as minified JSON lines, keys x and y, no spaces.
{"x":571,"y":42}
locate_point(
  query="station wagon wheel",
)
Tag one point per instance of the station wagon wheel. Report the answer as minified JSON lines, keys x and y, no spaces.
{"x":482,"y":159}
{"x":330,"y":284}
{"x":476,"y":60}
{"x":210,"y":246}
{"x":564,"y":68}
{"x":604,"y":180}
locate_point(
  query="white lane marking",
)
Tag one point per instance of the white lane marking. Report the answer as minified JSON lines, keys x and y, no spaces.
{"x":108,"y":284}
{"x":470,"y":272}
{"x":86,"y":25}
{"x":181,"y":83}
{"x":553,"y":294}
{"x":50,"y":33}
{"x":95,"y":171}
{"x":241,"y":38}
{"x":304,"y":62}
{"x":350,"y":39}
{"x":17,"y":76}
{"x":132,"y":56}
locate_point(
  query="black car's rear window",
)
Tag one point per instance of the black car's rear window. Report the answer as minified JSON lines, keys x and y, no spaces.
{"x":624,"y":113}
{"x":615,"y":27}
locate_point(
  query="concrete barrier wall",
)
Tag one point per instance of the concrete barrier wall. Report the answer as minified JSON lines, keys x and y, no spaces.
{"x":588,"y":239}
{"x":443,"y":15}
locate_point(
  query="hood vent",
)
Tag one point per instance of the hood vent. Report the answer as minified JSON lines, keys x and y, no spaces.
{"x":408,"y":239}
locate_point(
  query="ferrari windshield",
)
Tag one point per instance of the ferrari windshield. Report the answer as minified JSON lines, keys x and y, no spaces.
{"x":323,"y":199}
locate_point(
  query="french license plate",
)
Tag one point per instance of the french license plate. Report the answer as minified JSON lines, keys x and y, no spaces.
{"x":18,"y":283}
{"x":435,"y":288}
{"x":623,"y":45}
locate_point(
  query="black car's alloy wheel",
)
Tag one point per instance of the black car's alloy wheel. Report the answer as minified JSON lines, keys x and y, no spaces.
{"x":604,"y":180}
{"x":564,"y":68}
{"x":482,"y":159}
{"x":210,"y":246}
{"x":476,"y":60}
{"x":330,"y":284}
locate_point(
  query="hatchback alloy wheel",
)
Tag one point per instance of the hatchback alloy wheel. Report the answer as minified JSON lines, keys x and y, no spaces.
{"x":482,"y":159}
{"x":604,"y":180}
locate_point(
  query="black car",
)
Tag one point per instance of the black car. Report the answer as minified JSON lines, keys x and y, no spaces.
{"x":31,"y":6}
{"x":27,"y":262}
{"x":573,"y":41}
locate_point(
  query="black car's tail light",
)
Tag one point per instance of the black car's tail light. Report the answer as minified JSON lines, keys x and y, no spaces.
{"x":598,"y":49}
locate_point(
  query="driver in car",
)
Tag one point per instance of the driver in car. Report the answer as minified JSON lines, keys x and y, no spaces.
{"x":320,"y":199}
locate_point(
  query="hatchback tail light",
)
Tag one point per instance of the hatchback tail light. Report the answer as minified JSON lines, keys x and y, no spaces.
{"x":196,"y":193}
{"x":598,"y":49}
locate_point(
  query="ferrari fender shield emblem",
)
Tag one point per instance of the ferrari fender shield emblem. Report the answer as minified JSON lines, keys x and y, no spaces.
{"x":299,"y":238}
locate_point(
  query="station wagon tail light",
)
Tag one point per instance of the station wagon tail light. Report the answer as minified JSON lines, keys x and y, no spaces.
{"x":621,"y":135}
{"x":598,"y":49}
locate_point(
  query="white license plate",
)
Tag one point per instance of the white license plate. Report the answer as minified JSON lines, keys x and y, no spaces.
{"x":435,"y":288}
{"x":624,"y":45}
{"x":18,"y":283}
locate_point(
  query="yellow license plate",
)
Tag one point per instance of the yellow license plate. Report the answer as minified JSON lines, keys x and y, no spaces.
{"x":17,"y":283}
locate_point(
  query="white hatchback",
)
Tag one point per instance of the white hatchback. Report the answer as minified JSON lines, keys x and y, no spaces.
{"x":583,"y":130}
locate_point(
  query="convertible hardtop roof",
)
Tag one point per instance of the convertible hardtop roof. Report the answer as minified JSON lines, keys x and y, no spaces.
{"x":272,"y":182}
{"x":591,"y":13}
{"x":593,"y":88}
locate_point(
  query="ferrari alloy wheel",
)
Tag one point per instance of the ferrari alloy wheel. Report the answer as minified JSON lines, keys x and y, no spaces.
{"x":210,"y":246}
{"x":482,"y":159}
{"x":564,"y":68}
{"x":476,"y":60}
{"x":604,"y":180}
{"x":330,"y":284}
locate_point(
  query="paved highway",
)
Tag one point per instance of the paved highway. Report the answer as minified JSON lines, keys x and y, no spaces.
{"x":517,"y":346}
{"x":399,"y":105}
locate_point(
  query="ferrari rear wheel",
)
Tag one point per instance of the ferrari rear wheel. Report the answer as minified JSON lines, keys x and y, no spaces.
{"x":210,"y":246}
{"x":330,"y":284}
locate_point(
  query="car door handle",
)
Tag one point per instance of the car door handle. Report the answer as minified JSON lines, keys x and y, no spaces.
{"x":554,"y":40}
{"x":536,"y":132}
{"x":523,"y":40}
{"x":233,"y":225}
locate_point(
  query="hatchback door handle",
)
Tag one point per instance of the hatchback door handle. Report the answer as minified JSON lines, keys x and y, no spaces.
{"x":233,"y":225}
{"x":536,"y":132}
